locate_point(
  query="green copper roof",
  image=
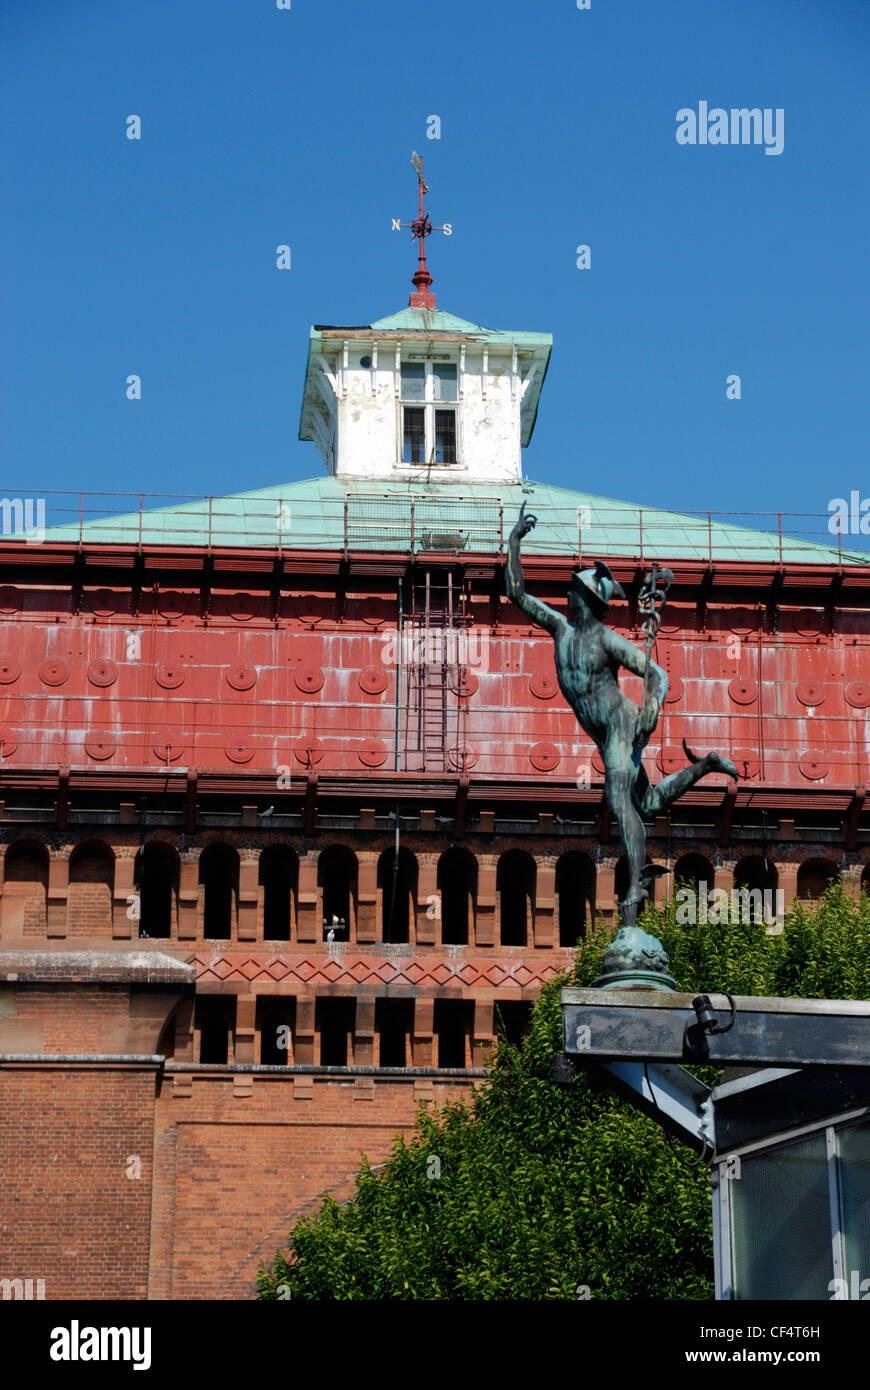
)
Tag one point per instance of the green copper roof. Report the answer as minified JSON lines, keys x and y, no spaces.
{"x":326,"y":513}
{"x":439,"y":321}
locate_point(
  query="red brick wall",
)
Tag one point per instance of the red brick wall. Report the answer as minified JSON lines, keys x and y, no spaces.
{"x":89,"y":900}
{"x":238,"y":1159}
{"x":69,"y":1214}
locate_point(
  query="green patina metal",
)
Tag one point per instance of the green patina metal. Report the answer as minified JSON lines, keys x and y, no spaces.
{"x":329,"y":513}
{"x":635,"y":960}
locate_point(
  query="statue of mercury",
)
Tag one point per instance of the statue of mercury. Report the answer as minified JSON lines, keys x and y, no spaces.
{"x":588,"y":659}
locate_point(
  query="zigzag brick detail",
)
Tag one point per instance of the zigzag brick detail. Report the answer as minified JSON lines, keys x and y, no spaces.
{"x":359,"y":969}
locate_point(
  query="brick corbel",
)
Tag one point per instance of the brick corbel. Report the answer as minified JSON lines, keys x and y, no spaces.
{"x":188,"y":897}
{"x":424,"y":1023}
{"x":428,"y":928}
{"x":307,"y":910}
{"x":364,"y":1032}
{"x":124,"y":925}
{"x":483,"y":1031}
{"x":367,"y":899}
{"x":246,"y":1013}
{"x":544,"y":908}
{"x":303,"y":1051}
{"x":485,"y":917}
{"x":58,"y":890}
{"x":248,"y":893}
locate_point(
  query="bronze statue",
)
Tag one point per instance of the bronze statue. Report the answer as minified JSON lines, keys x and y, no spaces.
{"x":588,"y":657}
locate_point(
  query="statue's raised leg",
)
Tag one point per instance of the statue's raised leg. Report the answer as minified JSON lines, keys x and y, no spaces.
{"x":653,"y":800}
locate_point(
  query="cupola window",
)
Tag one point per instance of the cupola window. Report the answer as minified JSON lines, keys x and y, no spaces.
{"x":429,"y":391}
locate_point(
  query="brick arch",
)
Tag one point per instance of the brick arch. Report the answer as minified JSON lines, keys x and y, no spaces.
{"x":156,"y":879}
{"x":457,"y":880}
{"x":693,"y":869}
{"x":397,"y":895}
{"x":277,"y":891}
{"x":813,"y":877}
{"x":25,"y":887}
{"x":219,"y":866}
{"x":575,"y":896}
{"x":516,"y":880}
{"x":30,"y":837}
{"x":90,"y":890}
{"x":338,"y":891}
{"x":756,"y":871}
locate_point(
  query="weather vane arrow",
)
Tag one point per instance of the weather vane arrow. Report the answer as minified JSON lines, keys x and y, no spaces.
{"x":420,"y":228}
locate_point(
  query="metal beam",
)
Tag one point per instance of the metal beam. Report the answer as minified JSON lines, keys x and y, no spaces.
{"x":633,"y":1025}
{"x":671,"y":1096}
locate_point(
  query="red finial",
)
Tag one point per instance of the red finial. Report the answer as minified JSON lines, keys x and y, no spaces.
{"x":421,"y":227}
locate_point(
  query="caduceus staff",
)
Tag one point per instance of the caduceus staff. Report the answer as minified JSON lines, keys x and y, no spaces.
{"x":651,"y":601}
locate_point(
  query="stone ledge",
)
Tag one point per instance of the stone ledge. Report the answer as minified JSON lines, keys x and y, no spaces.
{"x":94,"y":967}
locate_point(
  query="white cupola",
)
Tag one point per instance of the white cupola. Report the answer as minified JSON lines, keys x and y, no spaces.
{"x":423,"y":393}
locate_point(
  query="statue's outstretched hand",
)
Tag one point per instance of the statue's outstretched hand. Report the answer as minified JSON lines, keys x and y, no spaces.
{"x":525,"y":524}
{"x":648,"y":716}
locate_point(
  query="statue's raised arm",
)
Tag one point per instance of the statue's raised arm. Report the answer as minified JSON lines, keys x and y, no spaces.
{"x":515,"y":583}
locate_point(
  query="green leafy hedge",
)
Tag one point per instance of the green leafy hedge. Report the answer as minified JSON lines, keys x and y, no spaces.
{"x":531,"y":1190}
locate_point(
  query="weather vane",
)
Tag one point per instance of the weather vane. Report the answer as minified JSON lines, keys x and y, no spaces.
{"x":420,"y":228}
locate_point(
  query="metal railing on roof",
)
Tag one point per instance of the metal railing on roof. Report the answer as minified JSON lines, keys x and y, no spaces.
{"x":415,"y":521}
{"x":411,"y":522}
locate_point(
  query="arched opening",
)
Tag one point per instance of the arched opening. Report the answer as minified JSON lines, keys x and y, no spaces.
{"x":394,"y":1024}
{"x":813,"y":878}
{"x":575,"y":896}
{"x":513,"y":1019}
{"x":337,"y":881}
{"x":91,"y":882}
{"x":397,"y":890}
{"x":453,"y":1025}
{"x":694,"y":878}
{"x":219,"y":882}
{"x":457,"y":889}
{"x":214,"y":1028}
{"x":756,"y":878}
{"x":276,"y":1025}
{"x":865,"y":880}
{"x":25,"y":886}
{"x":155,"y":878}
{"x":278,"y":877}
{"x":334,"y":1021}
{"x":693,"y":870}
{"x":515,"y":885}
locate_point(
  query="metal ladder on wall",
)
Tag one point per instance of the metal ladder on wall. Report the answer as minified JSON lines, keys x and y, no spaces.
{"x":437,"y":617}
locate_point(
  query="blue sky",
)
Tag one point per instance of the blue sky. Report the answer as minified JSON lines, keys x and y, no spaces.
{"x":263,"y":126}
